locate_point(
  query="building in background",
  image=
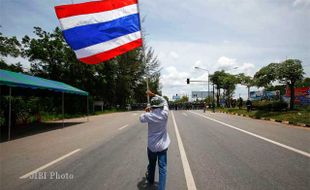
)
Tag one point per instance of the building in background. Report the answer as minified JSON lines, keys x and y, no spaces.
{"x":200,"y":95}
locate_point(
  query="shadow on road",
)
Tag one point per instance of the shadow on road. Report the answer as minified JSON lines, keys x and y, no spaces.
{"x":142,"y":185}
{"x":32,"y":129}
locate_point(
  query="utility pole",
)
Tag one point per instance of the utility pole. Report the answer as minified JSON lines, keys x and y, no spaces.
{"x":208,"y":86}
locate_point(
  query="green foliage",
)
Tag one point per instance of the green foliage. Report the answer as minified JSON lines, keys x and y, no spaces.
{"x":266,"y":75}
{"x":22,"y":108}
{"x":9,"y":46}
{"x":217,"y":79}
{"x":245,"y":80}
{"x":208,"y":99}
{"x":116,"y":82}
{"x":229,"y":84}
{"x":303,"y":83}
{"x":183,"y":99}
{"x":295,"y":116}
{"x":270,"y":106}
{"x":13,"y":67}
{"x":290,"y":71}
{"x":225,"y":81}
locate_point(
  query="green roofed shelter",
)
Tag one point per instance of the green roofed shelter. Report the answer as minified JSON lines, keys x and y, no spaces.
{"x":13,"y":79}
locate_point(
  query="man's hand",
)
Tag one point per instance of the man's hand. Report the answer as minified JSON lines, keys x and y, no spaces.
{"x":147,"y":109}
{"x":150,"y":93}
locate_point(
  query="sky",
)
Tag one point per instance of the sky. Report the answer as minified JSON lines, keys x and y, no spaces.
{"x":209,"y":34}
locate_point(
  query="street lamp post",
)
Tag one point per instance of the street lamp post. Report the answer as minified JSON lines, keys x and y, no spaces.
{"x":208,"y":79}
{"x":213,"y":102}
{"x":212,"y":84}
{"x":208,"y":84}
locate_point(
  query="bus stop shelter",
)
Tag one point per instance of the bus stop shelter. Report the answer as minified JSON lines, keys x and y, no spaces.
{"x":19,"y":80}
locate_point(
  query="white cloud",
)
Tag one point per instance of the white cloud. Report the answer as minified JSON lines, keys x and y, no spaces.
{"x":174,"y":55}
{"x":232,"y":66}
{"x":172,"y":77}
{"x":213,"y":57}
{"x":305,"y":3}
{"x":247,"y":68}
{"x":226,"y":63}
{"x":12,"y":60}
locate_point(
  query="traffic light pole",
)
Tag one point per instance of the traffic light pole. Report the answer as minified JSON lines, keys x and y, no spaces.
{"x":188,"y":81}
{"x":213,"y":103}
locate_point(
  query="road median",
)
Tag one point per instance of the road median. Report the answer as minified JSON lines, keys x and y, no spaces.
{"x":295,"y":118}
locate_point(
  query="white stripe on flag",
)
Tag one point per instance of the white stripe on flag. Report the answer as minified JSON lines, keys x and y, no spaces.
{"x":108,"y":45}
{"x":93,"y":18}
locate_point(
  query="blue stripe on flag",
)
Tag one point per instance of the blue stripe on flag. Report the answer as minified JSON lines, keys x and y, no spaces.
{"x":84,"y":36}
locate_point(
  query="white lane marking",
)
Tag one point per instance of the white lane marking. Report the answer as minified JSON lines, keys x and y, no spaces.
{"x":187,"y":170}
{"x":185,"y":114}
{"x":121,"y":128}
{"x":49,"y":164}
{"x":134,"y":114}
{"x":257,"y":136}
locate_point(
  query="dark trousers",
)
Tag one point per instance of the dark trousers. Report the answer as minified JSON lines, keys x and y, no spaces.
{"x":162,"y":164}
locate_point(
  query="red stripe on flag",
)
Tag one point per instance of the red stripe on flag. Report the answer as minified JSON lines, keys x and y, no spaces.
{"x":98,"y":58}
{"x":64,"y":11}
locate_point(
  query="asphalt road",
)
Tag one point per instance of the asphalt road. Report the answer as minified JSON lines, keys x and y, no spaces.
{"x":217,"y":151}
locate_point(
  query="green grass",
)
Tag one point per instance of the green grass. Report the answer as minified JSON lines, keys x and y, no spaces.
{"x":53,"y":117}
{"x":295,"y":116}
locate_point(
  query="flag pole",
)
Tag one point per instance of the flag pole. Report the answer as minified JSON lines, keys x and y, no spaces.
{"x":148,"y":96}
{"x":143,"y":54}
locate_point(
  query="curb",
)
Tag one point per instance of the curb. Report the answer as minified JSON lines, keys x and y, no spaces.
{"x":271,"y":119}
{"x":286,"y":122}
{"x":301,"y":124}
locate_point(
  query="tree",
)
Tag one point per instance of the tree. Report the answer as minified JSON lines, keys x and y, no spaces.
{"x":9,"y":46}
{"x":225,"y":81}
{"x":246,"y":81}
{"x":290,"y":71}
{"x":12,"y":67}
{"x":183,"y":99}
{"x":48,"y":53}
{"x":118,"y":81}
{"x":217,"y":79}
{"x":303,"y":83}
{"x":208,"y":99}
{"x":266,"y":75}
{"x":229,"y":85}
{"x":149,"y":69}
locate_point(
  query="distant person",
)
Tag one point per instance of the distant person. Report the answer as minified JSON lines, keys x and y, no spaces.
{"x":158,"y":138}
{"x":240,"y":103}
{"x":248,"y":104}
{"x":233,"y":103}
{"x":204,"y":107}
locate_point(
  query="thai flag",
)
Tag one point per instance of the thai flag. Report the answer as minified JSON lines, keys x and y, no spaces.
{"x":100,"y":30}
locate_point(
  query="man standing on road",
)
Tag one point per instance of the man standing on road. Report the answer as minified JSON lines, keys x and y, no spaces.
{"x":248,"y":104}
{"x":158,"y":138}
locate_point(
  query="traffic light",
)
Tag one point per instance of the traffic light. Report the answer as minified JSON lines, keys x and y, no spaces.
{"x":187,"y":81}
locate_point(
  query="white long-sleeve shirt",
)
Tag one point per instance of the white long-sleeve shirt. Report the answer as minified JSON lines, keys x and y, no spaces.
{"x":157,"y":119}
